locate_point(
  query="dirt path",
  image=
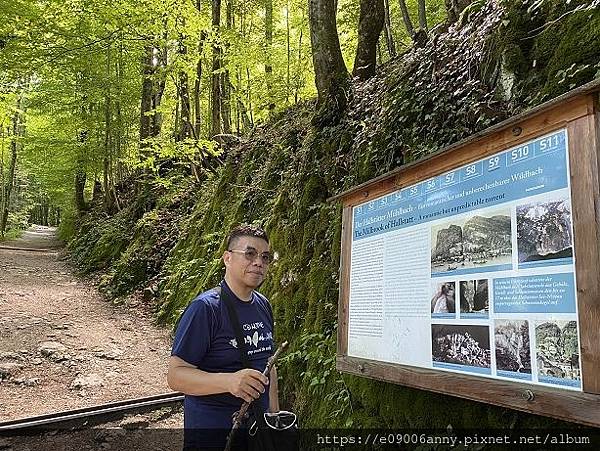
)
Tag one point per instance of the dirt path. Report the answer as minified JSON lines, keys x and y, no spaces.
{"x":61,"y":345}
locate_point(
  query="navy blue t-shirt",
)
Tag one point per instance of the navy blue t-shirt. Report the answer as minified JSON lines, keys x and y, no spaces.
{"x":205,"y":338}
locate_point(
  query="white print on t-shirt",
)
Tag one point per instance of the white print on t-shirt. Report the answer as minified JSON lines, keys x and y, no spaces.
{"x":254,"y":340}
{"x":253,"y":326}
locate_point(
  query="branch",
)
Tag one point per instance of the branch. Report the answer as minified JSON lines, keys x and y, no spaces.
{"x":595,"y":4}
{"x":89,"y":44}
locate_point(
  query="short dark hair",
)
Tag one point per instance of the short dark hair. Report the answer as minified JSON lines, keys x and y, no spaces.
{"x":246,"y":230}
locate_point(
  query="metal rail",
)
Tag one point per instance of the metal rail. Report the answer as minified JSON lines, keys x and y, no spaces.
{"x":29,"y":249}
{"x":91,"y":414}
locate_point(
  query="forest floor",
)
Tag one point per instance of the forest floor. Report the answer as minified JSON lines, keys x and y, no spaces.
{"x":62,"y":345}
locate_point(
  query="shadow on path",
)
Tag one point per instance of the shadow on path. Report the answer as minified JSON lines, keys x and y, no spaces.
{"x":37,"y":237}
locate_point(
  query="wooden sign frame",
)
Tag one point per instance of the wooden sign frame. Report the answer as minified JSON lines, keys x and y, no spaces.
{"x":579,"y":113}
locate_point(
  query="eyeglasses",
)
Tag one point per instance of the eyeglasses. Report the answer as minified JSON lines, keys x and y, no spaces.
{"x":251,"y":254}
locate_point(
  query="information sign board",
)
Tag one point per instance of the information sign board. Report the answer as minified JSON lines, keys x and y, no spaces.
{"x":474,"y":272}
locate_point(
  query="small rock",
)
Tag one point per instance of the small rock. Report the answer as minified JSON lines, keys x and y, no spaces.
{"x":7,"y":370}
{"x":60,"y":327}
{"x":48,"y":348}
{"x":135,"y":422}
{"x":54,"y":351}
{"x":90,"y":381}
{"x":113,"y":354}
{"x":27,"y":382}
{"x":37,"y":361}
{"x":11,"y":356}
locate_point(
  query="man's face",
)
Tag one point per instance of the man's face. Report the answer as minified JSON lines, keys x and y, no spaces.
{"x":239,"y":268}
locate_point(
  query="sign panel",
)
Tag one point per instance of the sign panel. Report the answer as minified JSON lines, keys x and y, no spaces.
{"x":472,"y":271}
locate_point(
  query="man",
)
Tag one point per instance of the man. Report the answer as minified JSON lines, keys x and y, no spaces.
{"x":205,"y":361}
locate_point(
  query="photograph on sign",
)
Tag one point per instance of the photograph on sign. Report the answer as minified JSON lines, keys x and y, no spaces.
{"x":443,"y":303}
{"x":472,"y":271}
{"x":513,"y":353}
{"x":544,"y":233}
{"x":474,"y":299}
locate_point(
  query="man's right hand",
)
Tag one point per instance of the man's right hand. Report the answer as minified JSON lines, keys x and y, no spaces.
{"x":247,"y":384}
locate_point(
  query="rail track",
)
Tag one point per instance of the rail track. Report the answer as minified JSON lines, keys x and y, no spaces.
{"x":89,"y":416}
{"x":30,"y":249}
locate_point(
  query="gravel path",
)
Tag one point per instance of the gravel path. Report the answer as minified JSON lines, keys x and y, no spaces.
{"x":62,"y":346}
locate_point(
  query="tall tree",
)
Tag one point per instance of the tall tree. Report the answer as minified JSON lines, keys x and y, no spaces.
{"x":185,"y":126}
{"x":269,"y":47}
{"x":407,"y":20}
{"x":370,"y":24}
{"x":10,"y":180}
{"x":389,"y":37}
{"x":331,"y":75}
{"x":153,"y":86}
{"x":216,"y":75}
{"x":198,"y":81}
{"x":225,"y":82}
{"x":147,"y":94}
{"x":422,"y":15}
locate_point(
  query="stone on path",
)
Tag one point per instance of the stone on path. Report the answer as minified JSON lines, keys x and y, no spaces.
{"x":89,"y":381}
{"x":54,"y":351}
{"x":8,"y":370}
{"x":134,"y":422}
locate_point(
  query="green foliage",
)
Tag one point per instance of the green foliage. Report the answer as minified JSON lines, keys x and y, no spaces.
{"x":11,"y":234}
{"x":101,"y":240}
{"x":551,"y":46}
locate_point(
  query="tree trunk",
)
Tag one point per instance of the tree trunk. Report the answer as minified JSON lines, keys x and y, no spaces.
{"x":216,"y":76}
{"x":183,"y":91}
{"x":289,"y":52}
{"x":268,"y":47}
{"x":107,"y":153}
{"x":454,"y":8}
{"x":45,"y":210}
{"x":370,"y":24}
{"x":146,"y":105}
{"x":406,"y":18}
{"x":297,"y":87}
{"x":184,"y":98}
{"x":225,"y":82}
{"x":331,"y":75}
{"x":249,"y":86}
{"x":80,"y":179}
{"x":422,"y":15}
{"x":198,"y":81}
{"x":197,"y":87}
{"x":389,"y":37}
{"x":159,"y":89}
{"x":10,"y":180}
